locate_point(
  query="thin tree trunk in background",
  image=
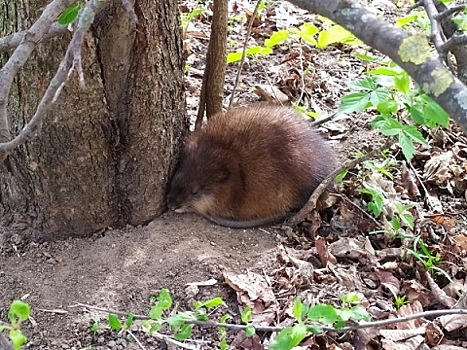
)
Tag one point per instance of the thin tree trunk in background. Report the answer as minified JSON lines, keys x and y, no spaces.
{"x":104,"y":155}
{"x":212,"y":92}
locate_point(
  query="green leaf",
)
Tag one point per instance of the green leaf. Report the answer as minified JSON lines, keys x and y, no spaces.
{"x":184,"y":333}
{"x":164,"y":299}
{"x":177,"y":320}
{"x":401,"y":22}
{"x":264,"y":51}
{"x":378,"y":95}
{"x":396,"y":225}
{"x":201,"y":315}
{"x":359,"y":313}
{"x":95,"y":324}
{"x":325,"y":314}
{"x":333,"y":35}
{"x":377,"y":199}
{"x":130,"y":319}
{"x":407,"y":146}
{"x":309,"y":29}
{"x":213,"y":302}
{"x":354,"y":102}
{"x":350,"y":298}
{"x":114,"y":322}
{"x":435,"y":114}
{"x":223,"y":344}
{"x":402,"y":82}
{"x":408,"y":219}
{"x":17,"y":338}
{"x":234,"y":56}
{"x":366,"y":84}
{"x":342,"y":176}
{"x":345,"y":314}
{"x":413,"y":133}
{"x":156,"y":312}
{"x":289,"y":337}
{"x":19,"y":311}
{"x":297,"y":309}
{"x":250,"y":331}
{"x":224,"y":318}
{"x":315,"y":329}
{"x":299,"y":332}
{"x":276,"y":38}
{"x":155,"y":327}
{"x":387,"y":107}
{"x":246,"y":315}
{"x":385,"y":71}
{"x":367,"y":58}
{"x":387,"y":125}
{"x":416,"y":111}
{"x":306,"y":33}
{"x":339,"y":324}
{"x":69,"y":14}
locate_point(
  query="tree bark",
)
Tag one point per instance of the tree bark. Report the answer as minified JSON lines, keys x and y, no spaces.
{"x":104,"y":154}
{"x":212,"y":91}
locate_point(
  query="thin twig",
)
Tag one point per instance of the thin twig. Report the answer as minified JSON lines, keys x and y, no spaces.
{"x":374,"y":324}
{"x":321,"y":121}
{"x":247,"y":36}
{"x":311,"y":204}
{"x":11,"y":41}
{"x":361,"y":210}
{"x":451,"y":11}
{"x":19,"y":57}
{"x":58,"y":81}
{"x":135,"y":339}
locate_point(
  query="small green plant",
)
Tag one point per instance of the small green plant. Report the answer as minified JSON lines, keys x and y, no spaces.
{"x":94,"y":324}
{"x":246,"y":318}
{"x":320,"y":315}
{"x":275,"y":39}
{"x":375,"y":205}
{"x":187,"y":17}
{"x":18,"y":313}
{"x":223,"y":333}
{"x":427,"y":258}
{"x":402,"y":218}
{"x":400,"y":301}
{"x":306,"y":33}
{"x":179,"y":322}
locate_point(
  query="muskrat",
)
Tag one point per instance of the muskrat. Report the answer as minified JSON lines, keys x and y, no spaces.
{"x":250,"y":166}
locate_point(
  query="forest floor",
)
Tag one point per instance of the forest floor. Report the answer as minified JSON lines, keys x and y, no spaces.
{"x":343,"y":251}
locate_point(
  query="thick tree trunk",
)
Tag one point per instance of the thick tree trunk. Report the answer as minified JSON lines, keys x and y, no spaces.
{"x":105,"y":154}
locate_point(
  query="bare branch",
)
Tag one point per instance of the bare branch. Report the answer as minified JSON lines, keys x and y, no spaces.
{"x":361,"y":325}
{"x":69,"y":62}
{"x":454,"y":41}
{"x":21,"y":54}
{"x":451,"y":11}
{"x":437,"y":35}
{"x":430,"y":74}
{"x":9,"y":42}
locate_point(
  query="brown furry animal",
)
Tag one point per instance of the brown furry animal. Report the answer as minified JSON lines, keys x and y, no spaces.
{"x":250,"y":166}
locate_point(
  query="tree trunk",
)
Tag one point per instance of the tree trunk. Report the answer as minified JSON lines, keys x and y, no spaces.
{"x":105,"y":154}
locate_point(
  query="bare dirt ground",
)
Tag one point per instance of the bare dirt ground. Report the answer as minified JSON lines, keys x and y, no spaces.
{"x":345,"y":250}
{"x":120,"y":270}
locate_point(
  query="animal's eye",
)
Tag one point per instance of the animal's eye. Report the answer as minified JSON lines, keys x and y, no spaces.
{"x":195,"y":190}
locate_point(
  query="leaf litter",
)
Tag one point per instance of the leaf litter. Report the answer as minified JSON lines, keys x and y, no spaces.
{"x":348,"y":249}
